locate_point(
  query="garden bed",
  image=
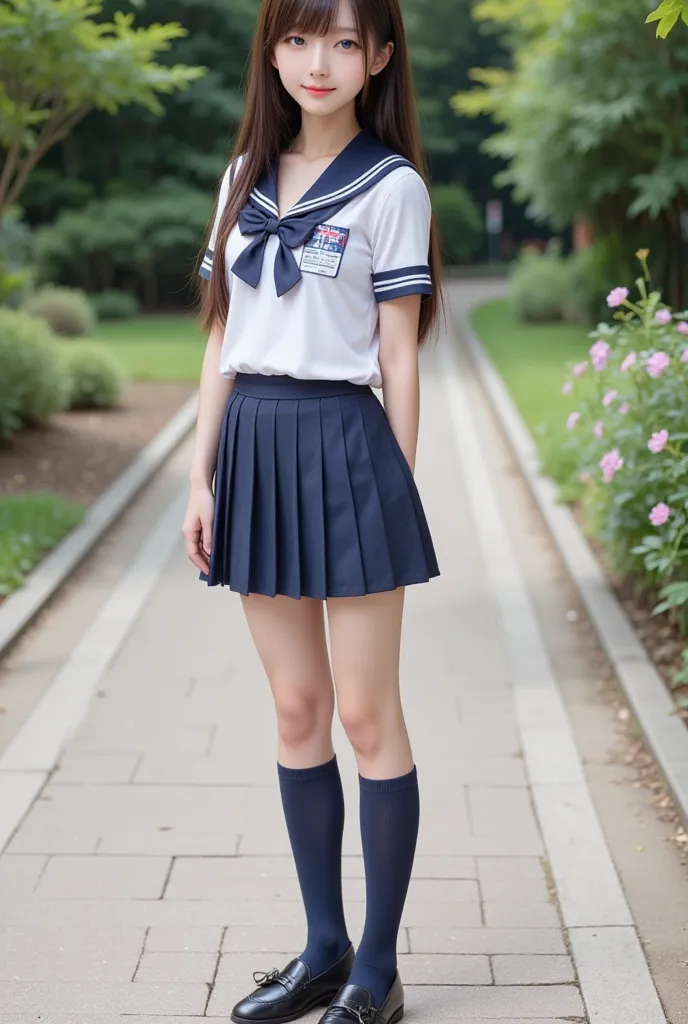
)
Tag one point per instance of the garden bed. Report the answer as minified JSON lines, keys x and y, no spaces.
{"x":532,"y":361}
{"x":78,"y":454}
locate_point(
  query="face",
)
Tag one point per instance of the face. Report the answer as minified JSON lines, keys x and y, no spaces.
{"x":326,"y":73}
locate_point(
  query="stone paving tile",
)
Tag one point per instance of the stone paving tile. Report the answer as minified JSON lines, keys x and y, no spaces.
{"x":161,"y":939}
{"x":140,"y":737}
{"x":532,"y":970}
{"x":102,"y":965}
{"x":445,"y":1002}
{"x":78,"y":997}
{"x":95,"y":768}
{"x":509,"y":914}
{"x":444,"y":969}
{"x":486,"y":940}
{"x":43,"y":928}
{"x":176,"y":967}
{"x":19,"y":873}
{"x":104,"y":877}
{"x":288,"y":940}
{"x":507,"y":813}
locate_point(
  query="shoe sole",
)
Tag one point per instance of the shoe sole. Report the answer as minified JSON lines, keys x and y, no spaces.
{"x":397,"y":1016}
{"x":321,"y":1001}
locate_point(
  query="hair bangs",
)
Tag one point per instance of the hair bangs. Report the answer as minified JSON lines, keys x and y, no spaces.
{"x":311,"y":17}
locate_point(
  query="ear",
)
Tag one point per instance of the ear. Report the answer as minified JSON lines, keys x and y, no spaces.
{"x":382,"y":59}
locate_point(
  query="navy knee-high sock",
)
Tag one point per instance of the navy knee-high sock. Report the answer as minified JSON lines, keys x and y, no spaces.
{"x":313,"y":802}
{"x":390,"y":813}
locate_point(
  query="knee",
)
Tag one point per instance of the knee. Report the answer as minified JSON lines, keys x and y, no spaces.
{"x":363,"y":722}
{"x":300,"y":715}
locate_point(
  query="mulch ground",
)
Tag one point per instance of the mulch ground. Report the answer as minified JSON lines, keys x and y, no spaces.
{"x":78,"y":454}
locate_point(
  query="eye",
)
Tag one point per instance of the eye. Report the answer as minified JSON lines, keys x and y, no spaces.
{"x":295,"y":40}
{"x":347,"y":44}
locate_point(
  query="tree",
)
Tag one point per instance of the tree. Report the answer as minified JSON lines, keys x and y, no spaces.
{"x":57,"y":63}
{"x":594,"y":120}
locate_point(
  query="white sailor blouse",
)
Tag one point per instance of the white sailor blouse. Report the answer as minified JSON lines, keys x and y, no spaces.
{"x":304,"y":289}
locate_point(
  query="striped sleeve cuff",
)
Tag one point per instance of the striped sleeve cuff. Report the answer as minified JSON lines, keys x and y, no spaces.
{"x":393,"y":284}
{"x":207,"y":265}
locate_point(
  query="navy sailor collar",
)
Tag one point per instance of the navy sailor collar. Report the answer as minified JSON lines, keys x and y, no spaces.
{"x":359,"y":166}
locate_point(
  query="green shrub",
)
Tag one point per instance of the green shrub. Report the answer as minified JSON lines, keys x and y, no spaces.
{"x":67,"y":310}
{"x":459,"y":222}
{"x":114,"y":305}
{"x":593,"y":273}
{"x":96,"y":378}
{"x":539,"y":282}
{"x":33,"y":380}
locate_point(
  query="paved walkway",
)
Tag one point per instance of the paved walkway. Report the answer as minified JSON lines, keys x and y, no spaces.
{"x":152,"y":874}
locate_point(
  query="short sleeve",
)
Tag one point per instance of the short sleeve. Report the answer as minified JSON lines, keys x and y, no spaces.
{"x":207,"y":264}
{"x":401,"y":241}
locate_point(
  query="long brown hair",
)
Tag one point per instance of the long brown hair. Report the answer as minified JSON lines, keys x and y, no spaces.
{"x":386,"y":107}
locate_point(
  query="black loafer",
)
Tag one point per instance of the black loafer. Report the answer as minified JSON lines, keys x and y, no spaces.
{"x":285,"y":995}
{"x":355,"y":1003}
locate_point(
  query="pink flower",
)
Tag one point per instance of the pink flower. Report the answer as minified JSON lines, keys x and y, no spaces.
{"x":609,"y":398}
{"x":657,"y":364}
{"x":629,"y":361}
{"x":567,"y":388}
{"x":572,"y":420}
{"x":610,"y":464}
{"x":598,"y":429}
{"x":663,"y":316}
{"x":624,"y":408}
{"x":658,"y":441}
{"x":617,"y":297}
{"x":682,"y":327}
{"x":659,"y":514}
{"x":580,"y":368}
{"x":684,"y":356}
{"x":600,"y":355}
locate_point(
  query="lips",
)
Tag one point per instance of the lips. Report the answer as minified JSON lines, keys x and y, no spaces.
{"x":315,"y":91}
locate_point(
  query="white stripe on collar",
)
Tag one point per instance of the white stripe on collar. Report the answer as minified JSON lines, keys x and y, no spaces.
{"x":343,"y":193}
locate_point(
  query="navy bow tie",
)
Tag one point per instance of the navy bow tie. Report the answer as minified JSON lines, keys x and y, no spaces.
{"x":292,"y":232}
{"x":359,"y":166}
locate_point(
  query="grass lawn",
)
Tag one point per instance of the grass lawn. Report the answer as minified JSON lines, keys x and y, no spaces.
{"x":30,"y":525}
{"x":533,"y":360}
{"x":156,"y":347}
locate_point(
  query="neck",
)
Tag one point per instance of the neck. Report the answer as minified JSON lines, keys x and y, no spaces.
{"x":322,"y":137}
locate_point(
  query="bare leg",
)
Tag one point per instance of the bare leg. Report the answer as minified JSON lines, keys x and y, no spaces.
{"x":365,"y":637}
{"x":290,"y":639}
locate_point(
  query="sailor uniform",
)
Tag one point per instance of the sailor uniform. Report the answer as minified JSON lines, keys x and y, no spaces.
{"x":313,"y":495}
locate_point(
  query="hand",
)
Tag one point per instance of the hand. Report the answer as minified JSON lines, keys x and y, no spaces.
{"x":198,"y":527}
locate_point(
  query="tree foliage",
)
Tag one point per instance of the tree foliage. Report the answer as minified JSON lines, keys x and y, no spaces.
{"x":667,"y":14}
{"x":593,"y":117}
{"x":57,"y":62}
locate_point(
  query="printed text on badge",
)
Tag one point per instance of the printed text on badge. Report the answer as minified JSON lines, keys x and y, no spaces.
{"x":323,"y":252}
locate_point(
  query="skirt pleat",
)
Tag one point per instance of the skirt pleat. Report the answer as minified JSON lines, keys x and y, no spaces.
{"x":287,"y":463}
{"x":313,"y":495}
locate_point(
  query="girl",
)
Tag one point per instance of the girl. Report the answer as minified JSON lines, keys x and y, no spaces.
{"x":323,"y":271}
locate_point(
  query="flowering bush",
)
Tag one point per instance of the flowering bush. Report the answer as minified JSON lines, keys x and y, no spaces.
{"x":629,"y":435}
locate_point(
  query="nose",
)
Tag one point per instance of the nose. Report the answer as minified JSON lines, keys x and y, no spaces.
{"x":320,"y":67}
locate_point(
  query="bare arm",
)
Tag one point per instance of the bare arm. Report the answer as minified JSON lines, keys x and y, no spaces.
{"x":399,"y":320}
{"x":214,"y":392}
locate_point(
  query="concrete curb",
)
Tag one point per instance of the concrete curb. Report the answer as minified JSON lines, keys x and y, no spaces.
{"x":647,"y":695}
{"x":18,"y":610}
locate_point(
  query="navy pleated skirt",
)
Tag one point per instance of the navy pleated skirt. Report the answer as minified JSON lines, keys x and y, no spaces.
{"x":313,"y":495}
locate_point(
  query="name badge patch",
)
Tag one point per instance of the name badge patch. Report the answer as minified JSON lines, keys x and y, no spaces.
{"x":323,"y":252}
